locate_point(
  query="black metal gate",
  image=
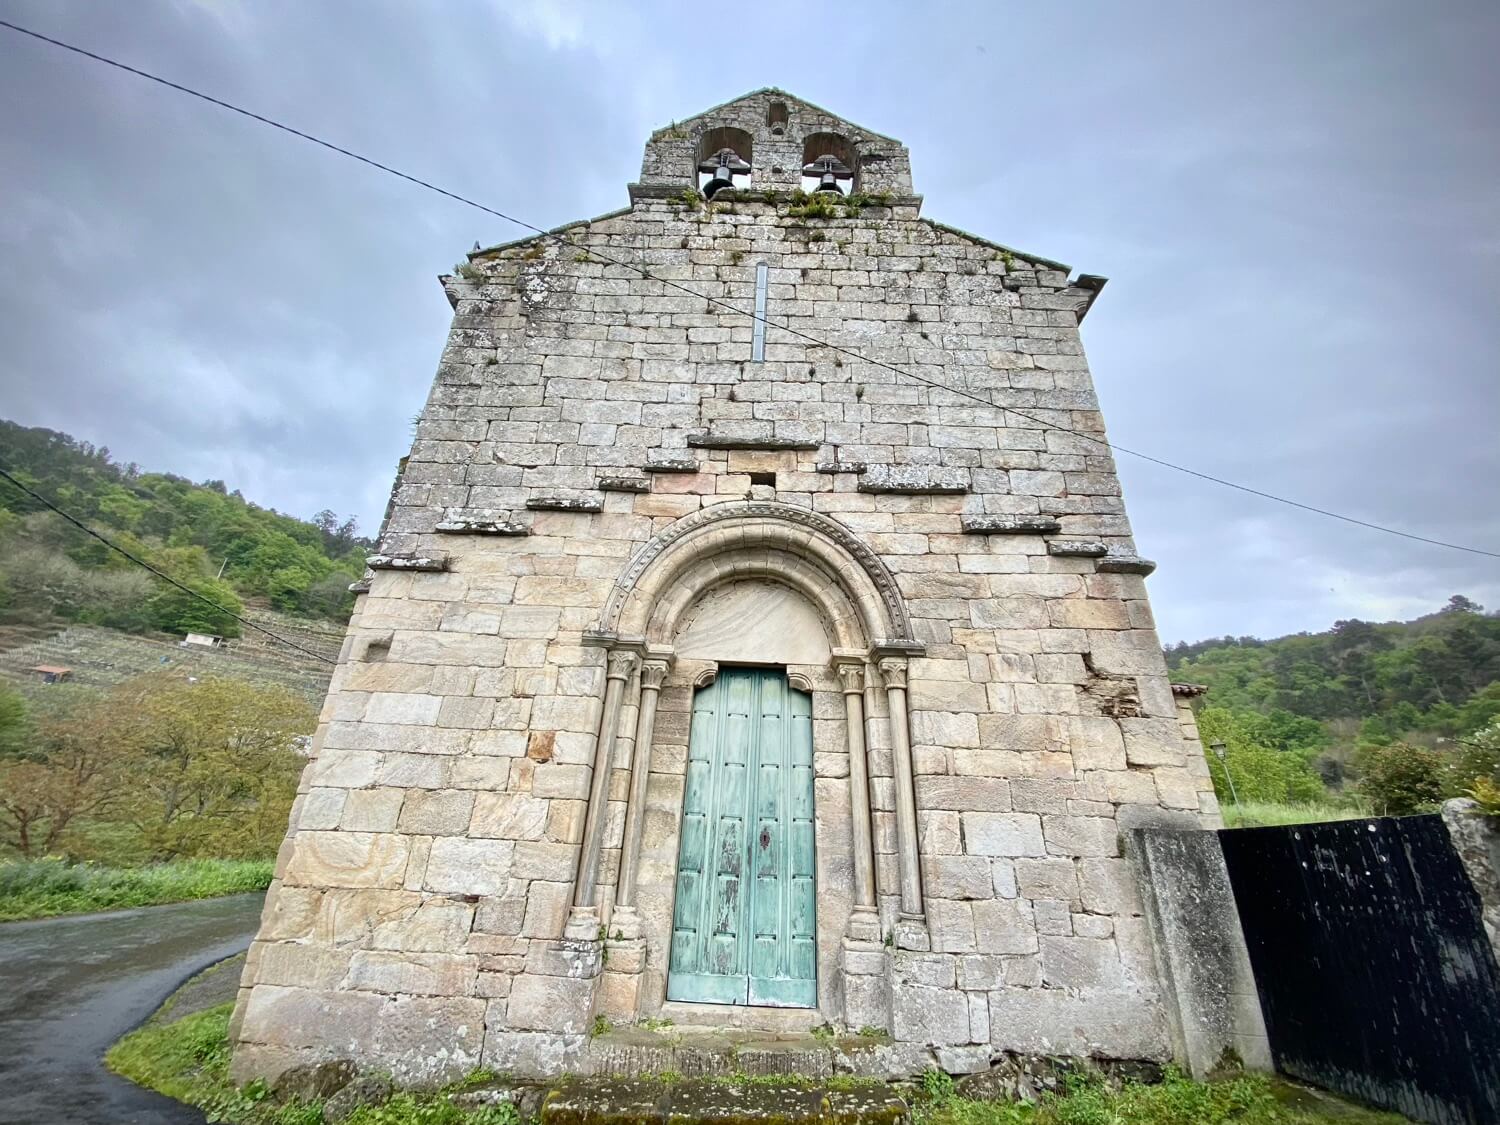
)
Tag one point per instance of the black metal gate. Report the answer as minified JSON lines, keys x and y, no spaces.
{"x":1372,"y":964}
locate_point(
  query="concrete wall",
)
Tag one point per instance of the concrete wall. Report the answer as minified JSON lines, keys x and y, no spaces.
{"x":1213,"y":1010}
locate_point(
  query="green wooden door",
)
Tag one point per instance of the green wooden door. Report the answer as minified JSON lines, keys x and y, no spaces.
{"x":744,"y":927}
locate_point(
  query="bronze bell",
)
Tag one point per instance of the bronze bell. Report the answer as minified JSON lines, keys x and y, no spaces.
{"x":829,"y":169}
{"x":723,"y":178}
{"x":725,"y":165}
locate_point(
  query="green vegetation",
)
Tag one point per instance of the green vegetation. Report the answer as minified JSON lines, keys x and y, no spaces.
{"x":1262,"y":814}
{"x":160,"y":768}
{"x":1384,"y":719}
{"x":1242,"y":1100}
{"x":206,"y":537}
{"x":817,"y":205}
{"x":43,"y":888}
{"x":189,"y":1060}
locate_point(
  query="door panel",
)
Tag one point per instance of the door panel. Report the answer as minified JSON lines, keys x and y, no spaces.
{"x":745,"y":923}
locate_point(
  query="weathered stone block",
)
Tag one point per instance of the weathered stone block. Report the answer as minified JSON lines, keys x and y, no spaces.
{"x":436,"y":812}
{"x":1004,"y":926}
{"x":1047,"y":878}
{"x":457,"y":865}
{"x":1003,"y":834}
{"x":1045,"y":1021}
{"x":348,"y":859}
{"x":1108,"y":886}
{"x":550,"y":1003}
{"x":412,"y":974}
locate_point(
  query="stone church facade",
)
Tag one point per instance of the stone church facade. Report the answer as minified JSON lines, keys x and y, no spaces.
{"x":710,"y":673}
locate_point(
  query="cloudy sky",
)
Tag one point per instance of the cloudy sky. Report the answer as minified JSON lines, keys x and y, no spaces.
{"x":1298,"y":206}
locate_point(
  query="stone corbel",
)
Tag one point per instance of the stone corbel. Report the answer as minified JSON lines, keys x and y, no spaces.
{"x":706,"y":677}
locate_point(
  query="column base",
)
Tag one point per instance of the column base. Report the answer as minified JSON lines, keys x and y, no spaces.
{"x":911,"y":932}
{"x":624,"y":970}
{"x":625,"y":924}
{"x":864,"y":926}
{"x":867,"y":990}
{"x":583,"y":924}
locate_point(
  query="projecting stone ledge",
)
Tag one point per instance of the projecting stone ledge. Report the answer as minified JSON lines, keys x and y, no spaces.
{"x":1010,"y":525}
{"x":425,"y":563}
{"x":479,"y":521}
{"x":1125,"y":564}
{"x":665,"y":463}
{"x":1077,"y":549}
{"x":708,"y":440}
{"x":913,"y":479}
{"x":840,"y":467}
{"x":565,"y":504}
{"x":624,"y":484}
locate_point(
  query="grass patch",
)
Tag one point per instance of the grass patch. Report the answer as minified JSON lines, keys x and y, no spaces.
{"x":1263,"y":814}
{"x":45,"y":888}
{"x":1245,"y":1100}
{"x":189,"y":1060}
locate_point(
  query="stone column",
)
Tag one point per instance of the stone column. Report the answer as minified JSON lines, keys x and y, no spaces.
{"x":864,"y":920}
{"x":893,"y":672}
{"x":583,"y":919}
{"x":626,"y":920}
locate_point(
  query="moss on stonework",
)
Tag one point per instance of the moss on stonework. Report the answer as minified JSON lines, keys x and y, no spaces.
{"x":188,"y":1059}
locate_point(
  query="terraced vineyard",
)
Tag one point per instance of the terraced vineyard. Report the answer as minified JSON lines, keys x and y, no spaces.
{"x":100,"y":658}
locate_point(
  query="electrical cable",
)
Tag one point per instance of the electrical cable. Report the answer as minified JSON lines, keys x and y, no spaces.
{"x":750,"y":313}
{"x":40,"y":499}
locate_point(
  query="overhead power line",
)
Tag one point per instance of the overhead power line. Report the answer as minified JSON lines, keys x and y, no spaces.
{"x":40,"y":499}
{"x":737,"y":310}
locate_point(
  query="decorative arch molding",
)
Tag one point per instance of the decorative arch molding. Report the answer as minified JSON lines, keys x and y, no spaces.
{"x":767,"y":536}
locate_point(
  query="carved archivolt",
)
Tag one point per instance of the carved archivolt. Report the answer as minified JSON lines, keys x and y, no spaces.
{"x":805,"y":549}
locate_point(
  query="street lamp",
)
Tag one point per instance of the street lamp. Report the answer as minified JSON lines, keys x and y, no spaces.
{"x":1219,"y":750}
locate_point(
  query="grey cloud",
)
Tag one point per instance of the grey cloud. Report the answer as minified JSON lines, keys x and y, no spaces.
{"x":1294,"y":203}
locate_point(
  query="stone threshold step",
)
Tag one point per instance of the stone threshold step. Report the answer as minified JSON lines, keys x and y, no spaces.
{"x":645,"y":1101}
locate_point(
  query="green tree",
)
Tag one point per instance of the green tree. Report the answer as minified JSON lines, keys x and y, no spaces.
{"x":1260,"y":772}
{"x":1399,"y":779}
{"x":177,"y":611}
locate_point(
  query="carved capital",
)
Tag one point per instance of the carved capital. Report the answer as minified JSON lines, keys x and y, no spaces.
{"x":893,"y":672}
{"x":621,"y":664}
{"x":653,"y":672}
{"x":851,"y":675}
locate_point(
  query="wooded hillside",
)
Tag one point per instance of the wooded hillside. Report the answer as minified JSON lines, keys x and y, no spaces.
{"x":1404,"y":712}
{"x":49,"y":570}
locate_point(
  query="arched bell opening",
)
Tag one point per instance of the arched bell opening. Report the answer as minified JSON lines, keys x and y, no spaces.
{"x":776,"y":118}
{"x":829,"y":161}
{"x":724,"y":160}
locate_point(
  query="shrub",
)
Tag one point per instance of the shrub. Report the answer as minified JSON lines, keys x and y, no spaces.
{"x":1399,"y":780}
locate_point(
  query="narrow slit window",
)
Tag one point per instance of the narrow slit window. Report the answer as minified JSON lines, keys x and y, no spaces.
{"x":758,"y":333}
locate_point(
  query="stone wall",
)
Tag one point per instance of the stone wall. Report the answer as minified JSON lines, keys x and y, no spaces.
{"x":584,"y":416}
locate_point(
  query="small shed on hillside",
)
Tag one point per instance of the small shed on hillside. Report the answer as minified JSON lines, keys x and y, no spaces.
{"x":52,"y":673}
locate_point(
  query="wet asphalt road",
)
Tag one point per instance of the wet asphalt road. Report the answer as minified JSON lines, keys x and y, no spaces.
{"x":69,"y":987}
